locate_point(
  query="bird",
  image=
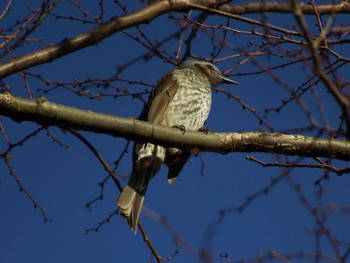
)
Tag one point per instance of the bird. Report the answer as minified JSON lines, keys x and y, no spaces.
{"x":182,"y":99}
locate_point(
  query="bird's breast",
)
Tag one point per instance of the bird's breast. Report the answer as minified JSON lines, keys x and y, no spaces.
{"x":191,"y":104}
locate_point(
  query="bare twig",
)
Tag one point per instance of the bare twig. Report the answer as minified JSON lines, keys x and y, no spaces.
{"x":291,"y":164}
{"x":120,"y":188}
{"x":21,"y":187}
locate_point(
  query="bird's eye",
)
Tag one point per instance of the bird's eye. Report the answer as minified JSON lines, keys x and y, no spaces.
{"x":205,"y":68}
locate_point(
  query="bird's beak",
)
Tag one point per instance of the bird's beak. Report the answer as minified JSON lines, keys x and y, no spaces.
{"x":227,"y":80}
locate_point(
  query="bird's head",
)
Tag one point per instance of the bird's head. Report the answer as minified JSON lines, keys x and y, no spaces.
{"x":213,"y":74}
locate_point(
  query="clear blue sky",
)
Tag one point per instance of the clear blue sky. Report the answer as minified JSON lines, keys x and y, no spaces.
{"x":64,"y":179}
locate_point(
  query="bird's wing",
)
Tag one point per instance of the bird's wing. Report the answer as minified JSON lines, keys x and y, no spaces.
{"x":175,"y":162}
{"x":162,"y":94}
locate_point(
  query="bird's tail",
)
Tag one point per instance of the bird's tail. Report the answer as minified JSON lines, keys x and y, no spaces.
{"x":130,"y":204}
{"x":150,"y":158}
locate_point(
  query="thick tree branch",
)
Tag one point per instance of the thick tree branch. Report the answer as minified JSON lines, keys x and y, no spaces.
{"x":146,"y":15}
{"x":286,"y":7}
{"x":85,"y":39}
{"x":47,"y":113}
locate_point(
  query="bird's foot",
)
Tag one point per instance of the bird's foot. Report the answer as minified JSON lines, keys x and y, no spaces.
{"x":203,"y":129}
{"x":182,"y":128}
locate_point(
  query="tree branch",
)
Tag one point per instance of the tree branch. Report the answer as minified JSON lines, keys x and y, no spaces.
{"x":286,"y":7}
{"x":89,"y":38}
{"x":314,"y":46}
{"x":47,"y":113}
{"x":147,"y":14}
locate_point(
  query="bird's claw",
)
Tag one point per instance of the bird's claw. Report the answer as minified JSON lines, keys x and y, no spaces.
{"x":203,"y":129}
{"x":182,"y":128}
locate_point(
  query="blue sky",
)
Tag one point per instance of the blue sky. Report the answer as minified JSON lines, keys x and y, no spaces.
{"x":64,"y":179}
